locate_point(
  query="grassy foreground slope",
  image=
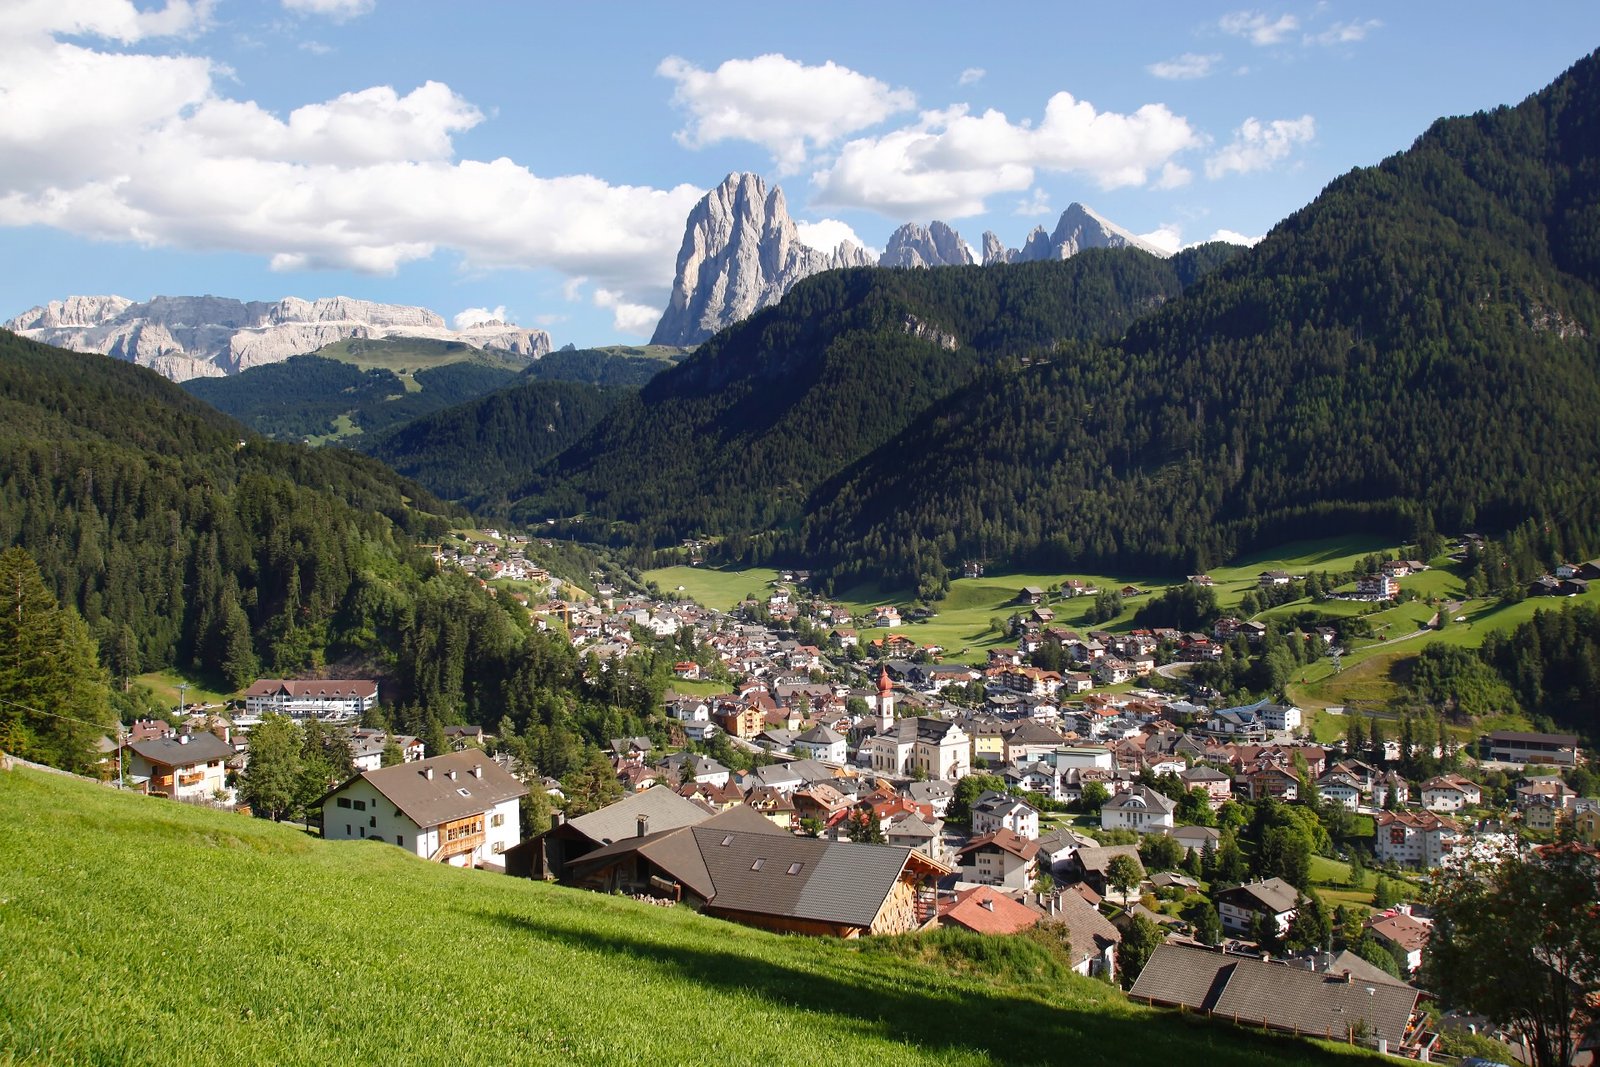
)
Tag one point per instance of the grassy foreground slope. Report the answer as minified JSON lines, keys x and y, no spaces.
{"x":135,"y":928}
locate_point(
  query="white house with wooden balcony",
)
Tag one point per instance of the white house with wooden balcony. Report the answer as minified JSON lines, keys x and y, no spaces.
{"x":182,"y":766}
{"x":459,"y":808}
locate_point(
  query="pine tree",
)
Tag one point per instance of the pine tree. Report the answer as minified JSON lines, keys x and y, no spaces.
{"x":55,"y":700}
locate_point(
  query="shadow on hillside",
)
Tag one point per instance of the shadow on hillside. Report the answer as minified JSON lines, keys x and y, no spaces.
{"x":1006,"y":1025}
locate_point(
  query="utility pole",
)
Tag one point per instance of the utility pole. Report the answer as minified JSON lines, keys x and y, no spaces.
{"x":183,"y":687}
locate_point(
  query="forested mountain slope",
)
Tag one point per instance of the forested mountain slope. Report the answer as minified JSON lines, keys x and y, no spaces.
{"x":1418,"y":346}
{"x":736,"y":437}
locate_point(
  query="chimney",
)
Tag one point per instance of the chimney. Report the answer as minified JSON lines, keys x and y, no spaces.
{"x":643,"y":826}
{"x":557,"y":819}
{"x":183,"y":739}
{"x":1344,"y":976}
{"x":987,"y":903}
{"x":427,"y":773}
{"x":477,"y":770}
{"x":451,"y":774}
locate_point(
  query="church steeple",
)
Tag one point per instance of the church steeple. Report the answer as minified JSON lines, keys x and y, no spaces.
{"x":885,"y":701}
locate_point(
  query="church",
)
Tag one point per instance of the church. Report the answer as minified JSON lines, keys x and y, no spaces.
{"x":903,"y":747}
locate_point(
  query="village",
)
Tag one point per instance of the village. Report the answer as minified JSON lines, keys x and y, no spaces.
{"x":1207,"y":857}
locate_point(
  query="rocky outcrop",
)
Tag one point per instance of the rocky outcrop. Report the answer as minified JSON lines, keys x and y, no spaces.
{"x":187,"y":337}
{"x":934,"y":245}
{"x":740,"y":253}
{"x":1077,"y":229}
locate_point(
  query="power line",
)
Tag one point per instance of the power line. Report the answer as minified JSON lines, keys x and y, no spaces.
{"x":56,"y":714}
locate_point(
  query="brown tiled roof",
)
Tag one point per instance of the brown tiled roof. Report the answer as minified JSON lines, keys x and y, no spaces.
{"x":1402,"y":929}
{"x":985,"y":910}
{"x":478,"y":785}
{"x":331,"y":688}
{"x":1006,"y":841}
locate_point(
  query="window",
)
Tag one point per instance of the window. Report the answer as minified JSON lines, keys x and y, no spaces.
{"x":758,"y":864}
{"x":400,"y":839}
{"x":373,"y":822}
{"x":361,"y":805}
{"x":794,"y":868}
{"x":726,"y":841}
{"x":497,"y":819}
{"x":344,"y":802}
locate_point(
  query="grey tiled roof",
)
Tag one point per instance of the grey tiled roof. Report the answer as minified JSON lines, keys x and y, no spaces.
{"x":1249,"y":990}
{"x":836,"y":882}
{"x":665,"y":809}
{"x":171,"y":752}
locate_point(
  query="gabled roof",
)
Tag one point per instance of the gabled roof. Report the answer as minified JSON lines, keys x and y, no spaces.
{"x":1088,"y":932}
{"x":442,"y":788}
{"x":819,"y":735}
{"x":664,"y":809}
{"x":1142,"y":798}
{"x":984,"y":910}
{"x":1250,"y":990}
{"x":1272,"y":894}
{"x":1005,"y":841}
{"x":174,"y":752}
{"x":1401,"y":929}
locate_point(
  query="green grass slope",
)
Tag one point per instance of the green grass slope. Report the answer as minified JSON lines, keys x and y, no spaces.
{"x":141,"y":931}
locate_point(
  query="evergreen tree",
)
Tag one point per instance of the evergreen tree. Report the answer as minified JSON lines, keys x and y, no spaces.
{"x":272,"y":779}
{"x":55,"y":701}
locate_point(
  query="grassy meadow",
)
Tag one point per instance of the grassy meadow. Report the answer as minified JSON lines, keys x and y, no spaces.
{"x":139,"y":931}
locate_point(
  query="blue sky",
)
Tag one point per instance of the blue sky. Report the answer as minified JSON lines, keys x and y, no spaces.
{"x":535,"y":161}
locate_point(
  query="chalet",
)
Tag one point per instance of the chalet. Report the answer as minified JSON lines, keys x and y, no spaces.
{"x":549,"y":854}
{"x":820,"y":743}
{"x":1414,"y":839}
{"x":1339,"y":787}
{"x":985,"y":910}
{"x":688,"y":670}
{"x":1274,"y":899}
{"x":996,"y":811}
{"x":1204,"y":581}
{"x":1000,"y":858}
{"x":1275,"y":996}
{"x":739,"y":867}
{"x":774,"y":804}
{"x":1218,"y":786}
{"x":1380,"y":586}
{"x":1089,"y":863}
{"x":1450,"y":792}
{"x":914,"y":831}
{"x":181,"y":767}
{"x":368,"y":746}
{"x":1091,"y":937}
{"x":329,"y":698}
{"x":459,"y":808}
{"x":1268,"y":579}
{"x":1141,"y":809}
{"x":1404,"y":935}
{"x":934,"y":795}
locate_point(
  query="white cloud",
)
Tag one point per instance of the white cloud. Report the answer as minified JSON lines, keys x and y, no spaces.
{"x":1184,"y":67}
{"x":784,"y":106}
{"x":627,"y":317}
{"x":1257,"y":28}
{"x":316,"y":48}
{"x":971,"y":76}
{"x":338,"y":10}
{"x":115,"y":20}
{"x":1166,"y":237}
{"x":124,"y":146}
{"x":1173,"y":176}
{"x":1344,"y":32}
{"x":827,"y":234}
{"x":478,"y":317}
{"x":1234,"y":237}
{"x":1258,"y":145}
{"x":950,"y":161}
{"x":1035,"y":203}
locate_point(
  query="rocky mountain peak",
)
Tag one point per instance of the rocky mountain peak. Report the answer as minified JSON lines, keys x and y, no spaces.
{"x":741,"y":252}
{"x":934,"y":245}
{"x":187,"y":337}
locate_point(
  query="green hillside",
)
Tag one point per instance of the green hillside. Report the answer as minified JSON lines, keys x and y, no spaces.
{"x":138,"y":931}
{"x":630,"y":365}
{"x":736,"y":437}
{"x":1415,"y":350}
{"x":334,"y":395}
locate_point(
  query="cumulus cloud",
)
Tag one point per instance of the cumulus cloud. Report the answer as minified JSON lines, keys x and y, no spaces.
{"x":120,"y":145}
{"x":1258,"y":28}
{"x":971,"y":76}
{"x":1034,"y":204}
{"x":626,"y":317}
{"x":338,"y":10}
{"x":1184,"y":67}
{"x":1258,"y":145}
{"x":1173,"y":176}
{"x":950,"y":161}
{"x":827,"y":234}
{"x":479,"y":317}
{"x":786,"y":107}
{"x":1234,"y":237}
{"x":1343,"y":33}
{"x":1167,"y":237}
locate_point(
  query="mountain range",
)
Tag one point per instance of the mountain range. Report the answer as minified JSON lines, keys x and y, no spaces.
{"x":185,"y":337}
{"x":742,"y":252}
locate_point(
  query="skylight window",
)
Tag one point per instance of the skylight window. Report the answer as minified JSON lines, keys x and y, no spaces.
{"x":794,"y":868}
{"x":463,"y":792}
{"x":726,"y":841}
{"x":758,"y":864}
